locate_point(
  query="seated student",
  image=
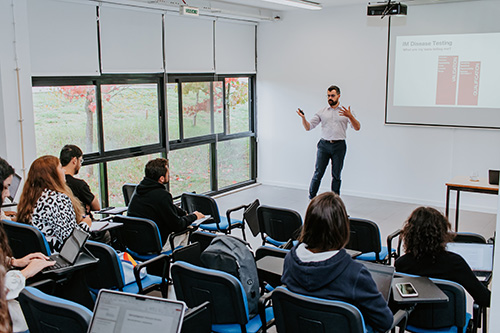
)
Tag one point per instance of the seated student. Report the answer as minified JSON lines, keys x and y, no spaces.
{"x":151,"y":200}
{"x":320,"y":267}
{"x":425,"y":235}
{"x":71,"y":158}
{"x":47,"y":203}
{"x":14,"y":280}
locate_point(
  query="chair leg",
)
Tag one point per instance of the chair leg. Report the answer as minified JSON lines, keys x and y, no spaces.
{"x":243,"y":232}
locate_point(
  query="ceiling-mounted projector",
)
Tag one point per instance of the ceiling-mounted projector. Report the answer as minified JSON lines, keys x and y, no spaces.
{"x":386,"y":8}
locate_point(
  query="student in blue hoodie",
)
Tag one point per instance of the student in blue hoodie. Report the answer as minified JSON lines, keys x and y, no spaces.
{"x":320,"y":267}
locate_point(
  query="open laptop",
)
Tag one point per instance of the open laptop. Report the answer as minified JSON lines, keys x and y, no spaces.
{"x":69,"y":252}
{"x":382,"y":275}
{"x":478,"y":256}
{"x":14,"y":186}
{"x":119,"y":312}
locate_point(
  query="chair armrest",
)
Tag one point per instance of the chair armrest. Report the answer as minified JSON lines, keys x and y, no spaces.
{"x":400,"y":320}
{"x":48,"y":286}
{"x":198,"y":316}
{"x":172,"y":236}
{"x":139,"y":267}
{"x":231,"y":210}
{"x":389,"y":245}
{"x":476,"y":317}
{"x":263,"y":303}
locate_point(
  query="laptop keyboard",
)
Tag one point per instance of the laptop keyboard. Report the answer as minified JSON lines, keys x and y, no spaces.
{"x":56,"y":266}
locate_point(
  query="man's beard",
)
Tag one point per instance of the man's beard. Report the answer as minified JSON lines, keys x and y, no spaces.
{"x":332,"y":102}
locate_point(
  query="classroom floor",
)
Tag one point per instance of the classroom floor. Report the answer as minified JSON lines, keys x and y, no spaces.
{"x":389,"y":215}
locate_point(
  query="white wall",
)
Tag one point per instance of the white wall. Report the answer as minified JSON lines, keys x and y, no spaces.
{"x":298,"y":58}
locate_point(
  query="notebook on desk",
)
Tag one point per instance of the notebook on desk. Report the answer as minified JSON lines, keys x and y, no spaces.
{"x":69,"y":252}
{"x":478,"y":256}
{"x":117,"y":311}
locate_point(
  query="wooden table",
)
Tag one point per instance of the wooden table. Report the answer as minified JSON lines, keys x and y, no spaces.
{"x":463,"y":183}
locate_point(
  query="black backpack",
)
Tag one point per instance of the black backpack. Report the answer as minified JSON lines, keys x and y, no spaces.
{"x":231,"y":255}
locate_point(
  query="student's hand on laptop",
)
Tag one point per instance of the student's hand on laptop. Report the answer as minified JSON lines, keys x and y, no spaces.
{"x":24,"y":261}
{"x":198,"y":215}
{"x":35,"y":266}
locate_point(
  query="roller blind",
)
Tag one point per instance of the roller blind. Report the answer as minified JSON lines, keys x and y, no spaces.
{"x":63,"y":38}
{"x":131,"y":40}
{"x":189,"y":45}
{"x":234,"y":47}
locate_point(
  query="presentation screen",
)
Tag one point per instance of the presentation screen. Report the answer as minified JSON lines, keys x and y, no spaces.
{"x":444,"y":66}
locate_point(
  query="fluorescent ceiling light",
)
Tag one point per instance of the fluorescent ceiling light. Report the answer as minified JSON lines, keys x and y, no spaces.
{"x":306,"y":4}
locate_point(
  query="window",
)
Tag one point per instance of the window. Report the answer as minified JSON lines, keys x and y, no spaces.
{"x":119,"y":122}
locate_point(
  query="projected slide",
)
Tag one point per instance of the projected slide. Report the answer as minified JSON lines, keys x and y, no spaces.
{"x":460,"y":71}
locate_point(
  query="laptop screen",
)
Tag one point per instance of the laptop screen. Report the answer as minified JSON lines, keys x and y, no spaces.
{"x":478,"y":256}
{"x":73,"y":245}
{"x":14,"y":186}
{"x":382,"y":275}
{"x":122,"y":312}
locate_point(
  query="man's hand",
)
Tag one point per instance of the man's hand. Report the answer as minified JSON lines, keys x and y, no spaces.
{"x":198,"y":215}
{"x":346,"y":112}
{"x":305,"y":123}
{"x":301,"y":113}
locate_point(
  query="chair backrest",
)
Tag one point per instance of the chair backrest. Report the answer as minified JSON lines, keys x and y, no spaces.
{"x":469,"y":237}
{"x":190,"y":253}
{"x":140,"y":235}
{"x":195,"y":285}
{"x":280,"y":224}
{"x":128,"y":191}
{"x":25,"y":239}
{"x":299,"y":313}
{"x":198,"y":202}
{"x":265,"y":251}
{"x":45,"y":313}
{"x":365,"y":236}
{"x":440,"y":315}
{"x":204,"y":238}
{"x":108,"y":273}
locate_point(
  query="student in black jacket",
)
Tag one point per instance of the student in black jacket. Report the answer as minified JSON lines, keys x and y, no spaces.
{"x":425,"y":235}
{"x":320,"y":267}
{"x":151,"y":200}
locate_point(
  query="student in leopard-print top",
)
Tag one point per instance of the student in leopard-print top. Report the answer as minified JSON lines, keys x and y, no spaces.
{"x":48,"y":203}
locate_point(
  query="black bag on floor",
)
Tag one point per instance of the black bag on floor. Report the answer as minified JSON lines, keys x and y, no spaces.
{"x":231,"y":255}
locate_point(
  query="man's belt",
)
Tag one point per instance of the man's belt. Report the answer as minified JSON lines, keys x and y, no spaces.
{"x":332,"y":141}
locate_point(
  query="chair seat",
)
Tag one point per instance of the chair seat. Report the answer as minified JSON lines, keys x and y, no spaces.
{"x":278,"y":243}
{"x":370,"y":256}
{"x":252,"y":326}
{"x":147,"y":281}
{"x":452,"y":329}
{"x":223,"y":224}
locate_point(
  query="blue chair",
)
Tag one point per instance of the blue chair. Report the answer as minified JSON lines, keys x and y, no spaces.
{"x":204,"y":204}
{"x":141,"y":237}
{"x":25,"y":239}
{"x":278,"y":225}
{"x":109,"y":273}
{"x":195,"y":285}
{"x":295,"y":313}
{"x":365,"y":237}
{"x":450,"y":317}
{"x":45,"y":313}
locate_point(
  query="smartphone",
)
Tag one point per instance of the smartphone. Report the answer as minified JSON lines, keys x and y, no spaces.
{"x":302,"y":112}
{"x":406,"y":289}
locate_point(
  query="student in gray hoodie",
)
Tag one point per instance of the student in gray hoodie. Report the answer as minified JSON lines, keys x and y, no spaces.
{"x":320,"y":267}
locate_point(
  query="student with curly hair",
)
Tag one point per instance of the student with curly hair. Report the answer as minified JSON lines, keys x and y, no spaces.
{"x":320,"y":267}
{"x":425,"y":235}
{"x":47,"y":203}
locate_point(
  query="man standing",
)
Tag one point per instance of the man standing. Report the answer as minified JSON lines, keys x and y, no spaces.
{"x":334,"y":120}
{"x":151,"y":200}
{"x":71,"y":158}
